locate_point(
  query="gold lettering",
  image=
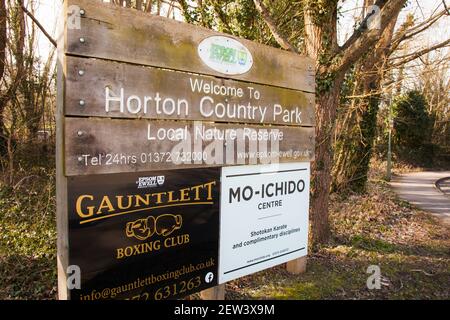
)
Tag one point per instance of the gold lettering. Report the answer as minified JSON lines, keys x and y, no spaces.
{"x":209,"y":187}
{"x":120,"y":204}
{"x":105,"y":204}
{"x":87,"y":206}
{"x":138,"y":249}
{"x":184,"y":193}
{"x":171,"y":199}
{"x":158,"y":197}
{"x":197,"y":192}
{"x":145,"y":201}
{"x":90,"y":209}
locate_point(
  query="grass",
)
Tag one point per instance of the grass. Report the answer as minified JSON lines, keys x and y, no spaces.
{"x":410,"y":247}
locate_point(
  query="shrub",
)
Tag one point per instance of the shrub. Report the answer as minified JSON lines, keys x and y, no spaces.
{"x":412,"y":129}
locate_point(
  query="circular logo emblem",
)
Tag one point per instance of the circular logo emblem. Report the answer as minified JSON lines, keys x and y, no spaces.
{"x":225,"y":55}
{"x":209,"y":277}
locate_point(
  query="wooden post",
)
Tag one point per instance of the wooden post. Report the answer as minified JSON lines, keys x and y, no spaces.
{"x":215,"y":293}
{"x":61,"y":180}
{"x":297,"y":266}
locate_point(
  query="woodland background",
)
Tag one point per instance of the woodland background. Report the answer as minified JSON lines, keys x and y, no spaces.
{"x":372,"y":83}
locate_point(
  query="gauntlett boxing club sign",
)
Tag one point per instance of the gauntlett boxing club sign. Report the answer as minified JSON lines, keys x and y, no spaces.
{"x":151,"y":235}
{"x":161,"y":141}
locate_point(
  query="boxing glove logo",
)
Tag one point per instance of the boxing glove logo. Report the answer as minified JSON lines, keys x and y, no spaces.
{"x":163,"y":225}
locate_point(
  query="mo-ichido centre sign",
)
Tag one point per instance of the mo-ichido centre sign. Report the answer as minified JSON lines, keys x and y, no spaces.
{"x":182,"y":155}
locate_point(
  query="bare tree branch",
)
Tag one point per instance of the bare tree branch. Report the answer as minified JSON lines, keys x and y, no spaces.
{"x":139,"y":5}
{"x":148,"y":6}
{"x":362,"y":28}
{"x":359,"y":45}
{"x":222,"y":16}
{"x":410,"y":57}
{"x":445,"y":6}
{"x":411,"y":32}
{"x":53,"y":42}
{"x":272,"y":26}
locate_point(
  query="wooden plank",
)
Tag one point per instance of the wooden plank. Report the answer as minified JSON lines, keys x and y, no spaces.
{"x":62,"y":218}
{"x":98,"y":146}
{"x":179,"y":94}
{"x":115,"y":33}
{"x":215,"y":293}
{"x":297,"y":266}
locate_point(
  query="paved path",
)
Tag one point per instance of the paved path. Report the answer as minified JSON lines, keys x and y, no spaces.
{"x":418,"y":189}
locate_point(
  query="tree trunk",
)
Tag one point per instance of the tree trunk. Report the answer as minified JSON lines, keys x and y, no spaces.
{"x":2,"y":71}
{"x":17,"y":27}
{"x":321,"y":41}
{"x":2,"y":37}
{"x":356,"y":138}
{"x":364,"y":147}
{"x":332,"y":64}
{"x":326,"y":106}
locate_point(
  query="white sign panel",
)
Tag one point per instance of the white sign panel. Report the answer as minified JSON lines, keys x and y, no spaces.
{"x":225,"y":55}
{"x":264,"y":217}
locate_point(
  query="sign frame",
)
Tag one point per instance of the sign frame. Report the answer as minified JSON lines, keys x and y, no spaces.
{"x":173,"y":46}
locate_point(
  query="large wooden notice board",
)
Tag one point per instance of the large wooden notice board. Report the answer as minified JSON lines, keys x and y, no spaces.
{"x":152,"y":115}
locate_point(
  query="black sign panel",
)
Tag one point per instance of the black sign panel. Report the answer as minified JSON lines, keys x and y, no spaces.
{"x":147,"y":236}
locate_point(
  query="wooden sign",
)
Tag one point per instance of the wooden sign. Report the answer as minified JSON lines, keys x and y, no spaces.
{"x":114,"y":33}
{"x":144,"y":236}
{"x":120,"y":90}
{"x":95,"y":146}
{"x":149,"y":110}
